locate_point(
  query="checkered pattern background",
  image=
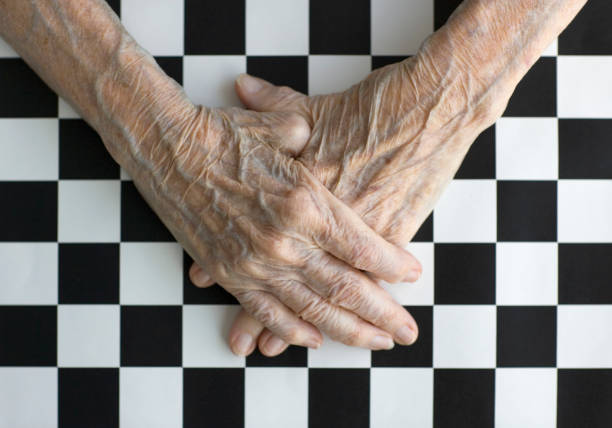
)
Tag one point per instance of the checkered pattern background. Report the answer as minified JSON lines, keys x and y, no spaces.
{"x":100,"y":326}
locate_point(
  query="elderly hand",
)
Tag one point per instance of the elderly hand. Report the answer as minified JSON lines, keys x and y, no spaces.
{"x":389,"y":145}
{"x":262,"y":225}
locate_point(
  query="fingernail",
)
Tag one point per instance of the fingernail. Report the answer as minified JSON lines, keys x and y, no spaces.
{"x":249,"y":83}
{"x":274,"y":344}
{"x":406,"y":335}
{"x":382,"y":342}
{"x":243,"y":343}
{"x":412,"y":276}
{"x":201,"y":277}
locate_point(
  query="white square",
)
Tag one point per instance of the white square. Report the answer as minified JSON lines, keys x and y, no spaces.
{"x":277,"y":27}
{"x":209,"y":79}
{"x":6,"y":51}
{"x":584,"y":87}
{"x":401,"y":397}
{"x":151,"y":397}
{"x":65,"y":110}
{"x":156,"y":24}
{"x":28,"y":397}
{"x":464,"y":336}
{"x":526,"y":273}
{"x":335,"y":73}
{"x":583,"y":336}
{"x":276,"y":397}
{"x":400,"y":26}
{"x":526,"y":398}
{"x":151,"y":273}
{"x":552,"y":49}
{"x":337,"y":354}
{"x":585,"y":209}
{"x":467,"y":212}
{"x":527,"y":148}
{"x":29,"y":273}
{"x":420,"y":292}
{"x":88,"y":336}
{"x":89,"y":210}
{"x":30,"y":149}
{"x":205,"y":336}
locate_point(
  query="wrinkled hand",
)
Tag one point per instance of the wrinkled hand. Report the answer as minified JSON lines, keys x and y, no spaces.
{"x":387,"y":147}
{"x":272,"y":235}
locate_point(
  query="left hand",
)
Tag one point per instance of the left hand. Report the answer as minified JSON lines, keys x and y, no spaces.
{"x":383,"y":147}
{"x":388,"y":146}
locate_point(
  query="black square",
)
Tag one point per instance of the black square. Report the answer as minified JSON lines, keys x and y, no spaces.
{"x":425,"y":232}
{"x":442,"y":10}
{"x":536,"y":93}
{"x":589,"y":33}
{"x":584,"y":273}
{"x":115,"y":5}
{"x":464,"y":398}
{"x":172,"y":66}
{"x":28,"y":335}
{"x":289,"y":71}
{"x":526,"y":336}
{"x":293,"y":356}
{"x":88,"y":398}
{"x":417,"y":355}
{"x":340,"y":27}
{"x":379,"y":61}
{"x":30,"y":213}
{"x":584,"y":148}
{"x":151,"y":336}
{"x":583,"y":398}
{"x":479,"y":163}
{"x":24,"y":94}
{"x":464,"y":274}
{"x":213,"y":398}
{"x":82,"y":153}
{"x":338,"y":398}
{"x":213,"y":295}
{"x":138,"y":221}
{"x":88,"y":273}
{"x":526,"y":210}
{"x":215,"y":28}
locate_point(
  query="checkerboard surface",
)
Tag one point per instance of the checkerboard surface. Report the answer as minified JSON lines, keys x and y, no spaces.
{"x":101,"y":327}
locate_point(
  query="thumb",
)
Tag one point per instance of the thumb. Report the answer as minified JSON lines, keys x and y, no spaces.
{"x":260,"y":95}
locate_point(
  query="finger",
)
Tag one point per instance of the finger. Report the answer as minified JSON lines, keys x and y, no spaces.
{"x":270,"y":344}
{"x":261,"y":95}
{"x":355,"y":291}
{"x":279,"y":319}
{"x":338,"y":323}
{"x":200,"y":278}
{"x":244,"y":333}
{"x":342,"y":233}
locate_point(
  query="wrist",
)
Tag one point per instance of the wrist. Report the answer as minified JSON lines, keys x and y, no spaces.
{"x":141,"y":113}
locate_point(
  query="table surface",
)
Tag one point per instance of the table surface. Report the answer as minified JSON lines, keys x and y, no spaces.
{"x":100,"y":326}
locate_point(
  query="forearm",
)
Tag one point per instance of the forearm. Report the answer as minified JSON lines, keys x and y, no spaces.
{"x":491,"y":44}
{"x":81,"y":50}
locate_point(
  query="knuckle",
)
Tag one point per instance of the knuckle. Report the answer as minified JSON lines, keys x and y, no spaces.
{"x":250,"y":268}
{"x":316,"y":314}
{"x":267,"y":315}
{"x":297,"y":127}
{"x":292,"y":335}
{"x":352,"y":336}
{"x":346,"y":292}
{"x":297,"y":207}
{"x":278,"y":248}
{"x":363,"y":253}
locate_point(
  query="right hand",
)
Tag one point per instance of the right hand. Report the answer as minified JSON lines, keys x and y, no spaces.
{"x":272,"y":235}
